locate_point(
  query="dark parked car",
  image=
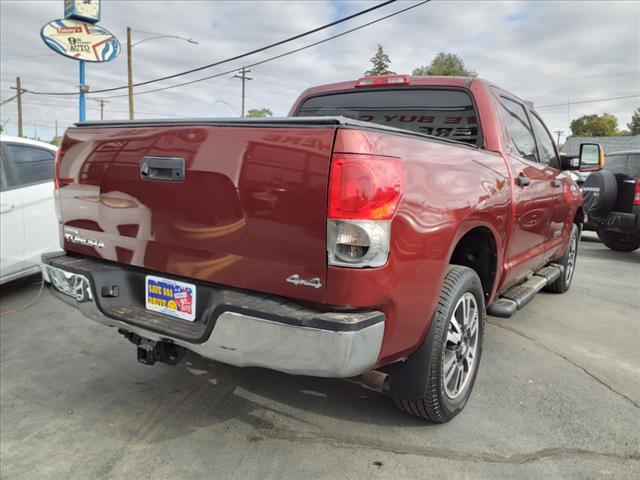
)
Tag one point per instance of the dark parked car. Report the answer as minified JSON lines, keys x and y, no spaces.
{"x":612,"y":201}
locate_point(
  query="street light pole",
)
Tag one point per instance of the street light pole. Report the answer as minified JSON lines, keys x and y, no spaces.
{"x":130,"y":45}
{"x":129,"y":73}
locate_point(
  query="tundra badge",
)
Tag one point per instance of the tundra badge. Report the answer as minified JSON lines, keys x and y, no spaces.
{"x":73,"y":235}
{"x":296,"y":280}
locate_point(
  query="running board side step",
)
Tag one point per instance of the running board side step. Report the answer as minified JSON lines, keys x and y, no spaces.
{"x":520,"y":295}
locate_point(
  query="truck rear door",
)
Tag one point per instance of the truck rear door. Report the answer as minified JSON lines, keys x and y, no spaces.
{"x":534,"y":194}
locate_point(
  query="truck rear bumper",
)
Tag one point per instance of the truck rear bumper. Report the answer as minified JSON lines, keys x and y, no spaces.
{"x":242,"y":328}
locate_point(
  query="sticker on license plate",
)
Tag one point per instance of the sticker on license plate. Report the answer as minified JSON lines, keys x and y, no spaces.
{"x":171,"y":297}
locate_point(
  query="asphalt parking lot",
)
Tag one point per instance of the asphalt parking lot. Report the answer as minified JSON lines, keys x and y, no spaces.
{"x":557,"y":396}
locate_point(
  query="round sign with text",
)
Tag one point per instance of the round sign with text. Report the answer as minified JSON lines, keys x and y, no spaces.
{"x":80,"y":40}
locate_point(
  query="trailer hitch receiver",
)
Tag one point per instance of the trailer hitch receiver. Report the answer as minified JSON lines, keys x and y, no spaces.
{"x":150,"y":352}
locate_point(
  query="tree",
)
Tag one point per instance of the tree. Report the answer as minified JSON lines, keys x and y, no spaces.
{"x":634,"y":125}
{"x":604,"y":125}
{"x":263,"y":112}
{"x":446,"y":64}
{"x":381,"y":64}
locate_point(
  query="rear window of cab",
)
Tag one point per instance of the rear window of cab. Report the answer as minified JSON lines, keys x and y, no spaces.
{"x":444,"y":113}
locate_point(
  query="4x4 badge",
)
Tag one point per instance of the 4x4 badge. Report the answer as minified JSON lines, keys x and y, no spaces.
{"x":296,"y":280}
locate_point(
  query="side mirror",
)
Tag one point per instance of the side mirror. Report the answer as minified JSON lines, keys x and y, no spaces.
{"x":569,"y":162}
{"x":591,"y":157}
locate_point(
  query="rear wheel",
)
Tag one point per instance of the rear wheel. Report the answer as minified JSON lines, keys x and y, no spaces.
{"x":568,"y":261}
{"x":457,"y":347}
{"x":619,"y":241}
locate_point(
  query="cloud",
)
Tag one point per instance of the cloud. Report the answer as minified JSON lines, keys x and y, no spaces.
{"x":547,"y":52}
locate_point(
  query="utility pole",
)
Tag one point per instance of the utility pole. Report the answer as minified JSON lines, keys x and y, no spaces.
{"x":19,"y":91}
{"x":244,"y":78}
{"x":102,"y":102}
{"x":559,"y":132}
{"x":56,"y":129}
{"x":130,"y":73}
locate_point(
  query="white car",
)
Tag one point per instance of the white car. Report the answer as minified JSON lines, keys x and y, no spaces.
{"x":28,"y":221}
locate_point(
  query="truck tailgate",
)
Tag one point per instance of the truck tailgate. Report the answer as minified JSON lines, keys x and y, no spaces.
{"x":249,"y":211}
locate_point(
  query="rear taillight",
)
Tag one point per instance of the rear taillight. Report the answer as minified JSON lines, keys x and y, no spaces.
{"x":636,"y":198}
{"x":364,"y":194}
{"x":365,"y":187}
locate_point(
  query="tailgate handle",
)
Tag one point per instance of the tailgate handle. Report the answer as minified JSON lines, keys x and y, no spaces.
{"x":168,"y":169}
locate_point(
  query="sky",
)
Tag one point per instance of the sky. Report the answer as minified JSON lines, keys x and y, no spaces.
{"x":548,"y":52}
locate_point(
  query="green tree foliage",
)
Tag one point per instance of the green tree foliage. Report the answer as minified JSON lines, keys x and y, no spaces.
{"x":634,"y":125}
{"x":445,"y":64}
{"x":263,"y":112}
{"x":604,"y":125}
{"x":380,"y":63}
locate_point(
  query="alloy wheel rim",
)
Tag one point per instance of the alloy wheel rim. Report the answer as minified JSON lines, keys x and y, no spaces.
{"x":461,"y":345}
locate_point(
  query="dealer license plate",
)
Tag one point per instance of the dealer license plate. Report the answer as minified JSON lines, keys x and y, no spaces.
{"x":171,"y":297}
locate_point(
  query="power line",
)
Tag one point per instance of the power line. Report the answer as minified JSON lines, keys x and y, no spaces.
{"x":237,"y":57}
{"x":562,"y":79}
{"x":8,"y":100}
{"x":276,"y":57}
{"x":564,"y":104}
{"x":42,"y":123}
{"x":96,"y":109}
{"x":22,"y":57}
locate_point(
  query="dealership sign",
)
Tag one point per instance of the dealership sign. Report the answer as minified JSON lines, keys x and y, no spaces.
{"x":80,"y":40}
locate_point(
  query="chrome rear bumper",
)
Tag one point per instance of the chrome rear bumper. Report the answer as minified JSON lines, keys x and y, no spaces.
{"x":245,"y":340}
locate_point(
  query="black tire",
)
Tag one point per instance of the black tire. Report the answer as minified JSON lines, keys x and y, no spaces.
{"x":568,"y":261}
{"x":619,"y":241}
{"x":437,"y":405}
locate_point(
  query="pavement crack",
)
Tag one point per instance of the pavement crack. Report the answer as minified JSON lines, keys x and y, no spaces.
{"x":355,"y":442}
{"x":567,"y":359}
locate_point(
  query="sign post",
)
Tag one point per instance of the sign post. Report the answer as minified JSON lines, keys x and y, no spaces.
{"x":83,"y":88}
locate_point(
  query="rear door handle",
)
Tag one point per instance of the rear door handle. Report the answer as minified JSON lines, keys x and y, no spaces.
{"x":167,"y":169}
{"x":523,"y":181}
{"x":555,"y":183}
{"x":5,"y":207}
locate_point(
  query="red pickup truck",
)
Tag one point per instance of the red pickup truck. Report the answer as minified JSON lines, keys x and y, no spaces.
{"x":365,"y":236}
